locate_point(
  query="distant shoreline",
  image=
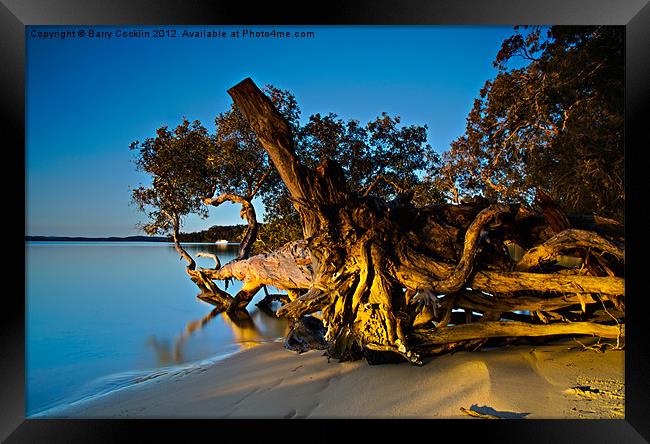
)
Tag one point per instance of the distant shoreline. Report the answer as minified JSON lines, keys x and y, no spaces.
{"x":115,"y":239}
{"x":98,"y":239}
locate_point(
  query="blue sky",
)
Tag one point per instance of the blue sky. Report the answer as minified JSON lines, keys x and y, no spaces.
{"x":88,"y":99}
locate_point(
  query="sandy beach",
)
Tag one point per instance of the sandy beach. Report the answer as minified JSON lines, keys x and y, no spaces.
{"x":268,"y":381}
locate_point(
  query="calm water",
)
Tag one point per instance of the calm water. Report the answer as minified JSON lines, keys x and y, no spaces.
{"x":100,"y":316}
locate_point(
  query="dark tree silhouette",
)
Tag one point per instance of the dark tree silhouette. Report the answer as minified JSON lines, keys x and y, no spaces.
{"x":555,"y":123}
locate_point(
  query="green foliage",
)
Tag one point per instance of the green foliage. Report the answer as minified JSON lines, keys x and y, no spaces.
{"x":278,"y":230}
{"x":555,"y":123}
{"x":181,"y":174}
{"x":232,"y":233}
{"x":399,"y":155}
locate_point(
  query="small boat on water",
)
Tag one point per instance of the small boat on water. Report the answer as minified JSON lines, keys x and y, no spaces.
{"x":221,"y":242}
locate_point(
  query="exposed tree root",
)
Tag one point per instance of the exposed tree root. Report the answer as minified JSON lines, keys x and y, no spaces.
{"x":564,"y":241}
{"x":391,"y":278}
{"x":496,"y":329}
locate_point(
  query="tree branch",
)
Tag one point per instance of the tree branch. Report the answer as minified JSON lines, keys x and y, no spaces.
{"x":496,"y":329}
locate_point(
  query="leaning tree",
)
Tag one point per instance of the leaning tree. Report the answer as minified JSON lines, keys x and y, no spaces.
{"x":390,"y":279}
{"x":177,"y":161}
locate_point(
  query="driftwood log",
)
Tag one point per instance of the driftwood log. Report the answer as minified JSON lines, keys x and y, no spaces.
{"x":389,"y":278}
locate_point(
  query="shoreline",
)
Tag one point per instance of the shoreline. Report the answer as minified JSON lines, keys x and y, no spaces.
{"x":133,"y":378}
{"x":139,"y":378}
{"x":104,"y":241}
{"x":269,"y":381}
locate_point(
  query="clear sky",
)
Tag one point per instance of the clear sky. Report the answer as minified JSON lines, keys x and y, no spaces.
{"x":88,"y":98}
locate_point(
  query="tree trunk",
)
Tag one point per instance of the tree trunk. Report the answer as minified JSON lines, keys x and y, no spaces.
{"x":377,"y":269}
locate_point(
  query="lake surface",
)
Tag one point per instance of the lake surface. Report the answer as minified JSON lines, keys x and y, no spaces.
{"x":104,"y":315}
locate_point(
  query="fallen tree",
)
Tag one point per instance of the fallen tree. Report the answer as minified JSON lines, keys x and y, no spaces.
{"x":389,"y":278}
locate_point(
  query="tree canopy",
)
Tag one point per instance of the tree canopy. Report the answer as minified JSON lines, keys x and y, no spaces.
{"x":191,"y":169}
{"x":551,"y":120}
{"x":178,"y":163}
{"x":555,"y":123}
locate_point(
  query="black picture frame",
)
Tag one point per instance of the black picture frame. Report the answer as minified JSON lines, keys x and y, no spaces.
{"x":633,"y":14}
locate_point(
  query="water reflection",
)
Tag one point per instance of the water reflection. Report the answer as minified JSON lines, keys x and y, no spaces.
{"x":141,"y":314}
{"x":243,"y":328}
{"x":246,"y":332}
{"x":167,"y":353}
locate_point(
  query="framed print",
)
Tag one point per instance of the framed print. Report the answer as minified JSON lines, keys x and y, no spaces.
{"x":418,"y":212}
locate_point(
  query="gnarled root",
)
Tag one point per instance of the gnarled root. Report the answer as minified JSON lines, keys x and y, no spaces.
{"x":394,"y":280}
